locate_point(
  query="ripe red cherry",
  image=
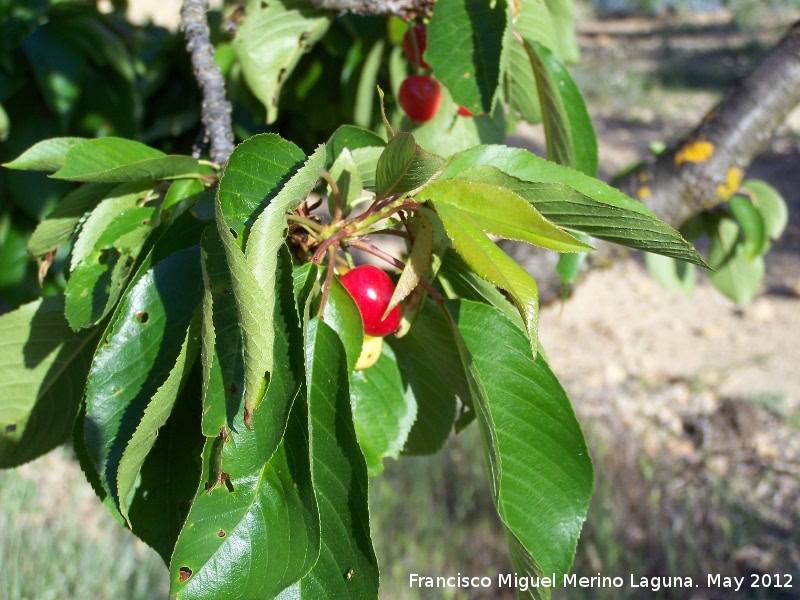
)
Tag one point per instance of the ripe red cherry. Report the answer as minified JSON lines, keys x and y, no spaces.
{"x":420,"y":96}
{"x":420,"y":33}
{"x":372,"y":290}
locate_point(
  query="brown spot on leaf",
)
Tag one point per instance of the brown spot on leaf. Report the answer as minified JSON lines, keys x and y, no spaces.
{"x":183,"y":574}
{"x":221,"y":533}
{"x":233,"y":389}
{"x":44,"y":265}
{"x":11,"y":428}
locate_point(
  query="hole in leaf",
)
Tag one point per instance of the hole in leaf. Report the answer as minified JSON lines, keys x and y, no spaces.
{"x":103,"y":257}
{"x":234,"y":233}
{"x":184,"y":573}
{"x":146,"y":222}
{"x":143,"y":317}
{"x":221,"y":533}
{"x":11,"y":428}
{"x":228,"y":483}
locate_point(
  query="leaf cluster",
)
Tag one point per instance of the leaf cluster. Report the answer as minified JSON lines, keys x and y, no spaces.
{"x":739,"y":233}
{"x":202,"y":354}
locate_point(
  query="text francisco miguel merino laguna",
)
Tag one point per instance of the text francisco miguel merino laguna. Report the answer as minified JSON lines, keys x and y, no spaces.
{"x":523,"y":583}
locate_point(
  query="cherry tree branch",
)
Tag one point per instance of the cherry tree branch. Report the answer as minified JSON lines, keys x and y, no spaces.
{"x":409,"y":9}
{"x":216,"y":109}
{"x":705,"y":168}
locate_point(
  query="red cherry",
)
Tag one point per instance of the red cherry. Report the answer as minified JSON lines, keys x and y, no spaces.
{"x":465,"y":112}
{"x":372,"y":290}
{"x":420,"y":96}
{"x":414,"y":55}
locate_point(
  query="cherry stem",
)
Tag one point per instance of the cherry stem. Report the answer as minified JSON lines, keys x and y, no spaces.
{"x":337,"y":196}
{"x":328,"y":281}
{"x":375,"y":251}
{"x":370,"y":249}
{"x":309,"y":224}
{"x":323,"y":247}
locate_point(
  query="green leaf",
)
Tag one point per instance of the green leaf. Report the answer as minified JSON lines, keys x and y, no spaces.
{"x":539,"y":464}
{"x":465,"y":50}
{"x":534,"y":22}
{"x":770,"y":204}
{"x":570,"y":135}
{"x":432,"y":373}
{"x":346,"y":174}
{"x":119,"y":199}
{"x":98,"y":280}
{"x":502,"y":212}
{"x":525,"y":566}
{"x":342,"y":315}
{"x":48,"y":155}
{"x":459,"y":281}
{"x":404,"y":167}
{"x":521,"y":90}
{"x":170,"y":474}
{"x":448,"y":132}
{"x":139,"y":349}
{"x":735,"y":275}
{"x":365,"y":94}
{"x":255,"y":173}
{"x":382,"y":412}
{"x":673,"y":275}
{"x":155,"y":415}
{"x":347,"y":566}
{"x":254,"y":527}
{"x":59,"y":69}
{"x":752,"y":224}
{"x":179,"y":192}
{"x":351,"y":138}
{"x":268,"y":233}
{"x":5,"y":124}
{"x":270,"y":42}
{"x":573,"y":200}
{"x":223,"y":349}
{"x":255,"y":179}
{"x":492,"y":264}
{"x":43,"y":366}
{"x":565,"y":41}
{"x":61,"y":223}
{"x":118,"y":160}
{"x":418,"y":261}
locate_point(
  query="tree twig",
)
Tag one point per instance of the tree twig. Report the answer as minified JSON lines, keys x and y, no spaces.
{"x":408,"y":9}
{"x":216,"y":110}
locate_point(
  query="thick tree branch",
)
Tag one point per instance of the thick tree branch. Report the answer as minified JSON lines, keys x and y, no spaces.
{"x":707,"y":166}
{"x":216,"y":110}
{"x":408,"y":9}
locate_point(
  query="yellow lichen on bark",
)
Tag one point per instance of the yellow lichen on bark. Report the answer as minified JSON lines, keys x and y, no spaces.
{"x":695,"y":152}
{"x":732,"y":182}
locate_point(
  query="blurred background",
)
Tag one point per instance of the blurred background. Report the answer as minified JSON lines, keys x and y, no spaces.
{"x":691,"y":406}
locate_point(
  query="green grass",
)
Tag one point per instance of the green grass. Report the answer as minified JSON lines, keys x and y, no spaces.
{"x":57,"y":541}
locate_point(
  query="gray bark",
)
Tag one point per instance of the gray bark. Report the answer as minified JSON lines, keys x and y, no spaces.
{"x":216,"y":109}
